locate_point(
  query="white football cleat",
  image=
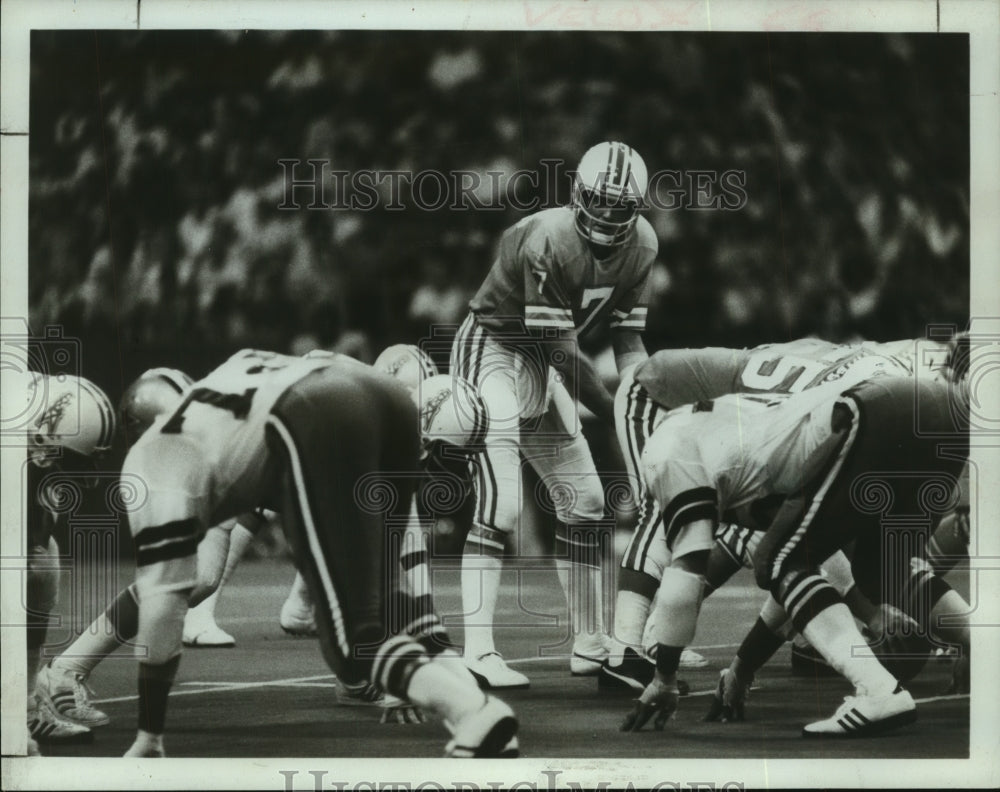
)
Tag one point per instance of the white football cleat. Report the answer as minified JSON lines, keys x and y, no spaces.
{"x":207,"y":636}
{"x":860,"y":716}
{"x":298,"y":619}
{"x":691,"y":659}
{"x":490,"y":731}
{"x":66,"y":693}
{"x":589,"y":654}
{"x":46,"y":726}
{"x":492,"y":673}
{"x":145,"y":750}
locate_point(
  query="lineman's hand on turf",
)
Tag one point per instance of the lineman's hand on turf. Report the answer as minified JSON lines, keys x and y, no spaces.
{"x":730,"y":698}
{"x":659,"y":699}
{"x":396,"y":710}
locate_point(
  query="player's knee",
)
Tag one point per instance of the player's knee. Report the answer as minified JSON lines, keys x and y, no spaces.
{"x":578,"y":499}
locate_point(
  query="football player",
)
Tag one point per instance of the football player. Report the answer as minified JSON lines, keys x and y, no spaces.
{"x":63,"y":684}
{"x":332,"y":445}
{"x":72,"y":430}
{"x":670,"y":379}
{"x":557,"y":274}
{"x":728,"y":454}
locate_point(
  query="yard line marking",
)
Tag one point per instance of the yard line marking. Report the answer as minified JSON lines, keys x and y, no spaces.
{"x":949,"y":697}
{"x":224,"y":686}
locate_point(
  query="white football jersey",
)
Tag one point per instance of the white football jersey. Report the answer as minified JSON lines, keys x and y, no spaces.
{"x":208,"y":458}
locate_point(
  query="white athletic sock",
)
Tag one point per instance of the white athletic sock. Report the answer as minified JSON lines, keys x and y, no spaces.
{"x":90,"y":648}
{"x":480,"y":589}
{"x":833,"y":633}
{"x":955,"y":610}
{"x":631,"y":612}
{"x":582,"y":586}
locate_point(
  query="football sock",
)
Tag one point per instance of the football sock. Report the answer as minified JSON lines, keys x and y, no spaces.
{"x":757,"y":648}
{"x":482,"y":562}
{"x":833,"y":633}
{"x":578,"y":566}
{"x":154,"y":688}
{"x":239,"y":541}
{"x":631,"y":613}
{"x":117,"y":625}
{"x":675,"y":612}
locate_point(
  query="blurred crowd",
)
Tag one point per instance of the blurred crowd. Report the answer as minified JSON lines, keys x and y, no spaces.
{"x":156,"y":237}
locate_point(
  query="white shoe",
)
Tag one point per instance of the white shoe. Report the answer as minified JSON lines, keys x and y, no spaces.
{"x":691,"y":659}
{"x":492,"y":673}
{"x":205,"y":633}
{"x":589,"y":654}
{"x":297,"y":618}
{"x":46,"y":726}
{"x":490,"y":731}
{"x":144,"y":749}
{"x":66,"y":693}
{"x":860,"y":716}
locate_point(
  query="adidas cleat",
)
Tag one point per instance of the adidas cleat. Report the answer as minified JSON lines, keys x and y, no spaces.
{"x":209,"y":636}
{"x":861,"y":716}
{"x":46,"y":726}
{"x":631,"y":672}
{"x":489,"y":732}
{"x":66,"y":693}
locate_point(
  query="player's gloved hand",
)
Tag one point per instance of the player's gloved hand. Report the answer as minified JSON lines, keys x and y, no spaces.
{"x":730,"y":698}
{"x":659,"y":698}
{"x":395,"y":710}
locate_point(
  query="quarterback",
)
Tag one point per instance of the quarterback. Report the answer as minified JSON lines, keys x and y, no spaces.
{"x":557,"y":274}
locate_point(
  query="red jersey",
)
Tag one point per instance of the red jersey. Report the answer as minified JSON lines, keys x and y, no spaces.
{"x":546,"y":278}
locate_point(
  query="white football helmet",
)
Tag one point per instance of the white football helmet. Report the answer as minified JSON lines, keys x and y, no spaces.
{"x":608,"y":191}
{"x":407,"y":363}
{"x":75,"y":415}
{"x":451,"y":411}
{"x":155,"y":392}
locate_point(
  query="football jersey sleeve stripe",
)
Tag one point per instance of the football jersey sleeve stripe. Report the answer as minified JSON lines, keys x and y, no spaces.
{"x":548,"y":310}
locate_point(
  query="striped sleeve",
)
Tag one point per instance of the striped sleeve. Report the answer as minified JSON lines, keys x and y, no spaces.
{"x":631,"y":310}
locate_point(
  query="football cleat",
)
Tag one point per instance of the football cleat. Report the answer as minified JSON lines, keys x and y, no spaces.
{"x":589,"y":654}
{"x":207,"y":636}
{"x":66,"y":693}
{"x":489,"y":732}
{"x":632,"y":672}
{"x":46,"y":726}
{"x":146,"y":748}
{"x":492,"y":673}
{"x":298,"y":619}
{"x":608,"y":191}
{"x":691,"y":659}
{"x":860,"y":716}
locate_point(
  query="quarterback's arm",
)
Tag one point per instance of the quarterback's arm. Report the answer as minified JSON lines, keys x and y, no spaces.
{"x":628,"y":348}
{"x":580,"y":377}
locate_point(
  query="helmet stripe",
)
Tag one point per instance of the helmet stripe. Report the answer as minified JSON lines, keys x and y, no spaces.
{"x":628,"y":168}
{"x":619,"y":165}
{"x":104,"y":409}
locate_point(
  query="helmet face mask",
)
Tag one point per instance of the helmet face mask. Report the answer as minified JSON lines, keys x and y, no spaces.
{"x":608,"y":192}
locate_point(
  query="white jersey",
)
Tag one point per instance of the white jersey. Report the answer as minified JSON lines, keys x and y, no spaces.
{"x":731,"y":451}
{"x":208,"y":458}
